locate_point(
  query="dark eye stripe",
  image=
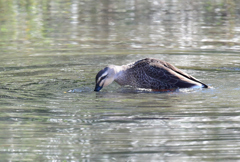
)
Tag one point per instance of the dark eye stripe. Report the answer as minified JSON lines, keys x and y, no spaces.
{"x":101,"y":72}
{"x":102,"y":78}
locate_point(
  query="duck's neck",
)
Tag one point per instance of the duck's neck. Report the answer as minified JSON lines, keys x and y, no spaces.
{"x":120,"y":74}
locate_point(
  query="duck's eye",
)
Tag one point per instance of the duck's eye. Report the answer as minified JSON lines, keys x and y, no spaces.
{"x":102,"y":81}
{"x":102,"y":78}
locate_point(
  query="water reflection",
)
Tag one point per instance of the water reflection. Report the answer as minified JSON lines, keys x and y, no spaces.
{"x":50,"y":47}
{"x":111,"y":25}
{"x":118,"y":123}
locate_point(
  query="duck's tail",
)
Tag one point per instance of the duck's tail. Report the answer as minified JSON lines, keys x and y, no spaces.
{"x":206,"y":86}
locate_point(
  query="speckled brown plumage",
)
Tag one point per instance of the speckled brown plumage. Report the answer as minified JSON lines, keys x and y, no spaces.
{"x":154,"y":74}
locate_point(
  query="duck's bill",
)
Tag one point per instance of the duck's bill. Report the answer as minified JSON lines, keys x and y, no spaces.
{"x":97,"y":88}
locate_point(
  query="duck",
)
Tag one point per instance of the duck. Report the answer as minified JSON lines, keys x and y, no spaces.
{"x":148,"y":73}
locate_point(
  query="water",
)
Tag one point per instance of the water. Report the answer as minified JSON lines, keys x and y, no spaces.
{"x":49,"y":48}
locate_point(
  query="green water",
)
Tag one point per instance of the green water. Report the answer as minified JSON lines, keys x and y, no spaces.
{"x":50,"y":47}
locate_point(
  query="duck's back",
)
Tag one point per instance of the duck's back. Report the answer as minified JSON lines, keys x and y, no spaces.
{"x":158,"y":74}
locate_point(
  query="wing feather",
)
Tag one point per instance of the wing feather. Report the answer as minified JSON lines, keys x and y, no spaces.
{"x":168,"y":75}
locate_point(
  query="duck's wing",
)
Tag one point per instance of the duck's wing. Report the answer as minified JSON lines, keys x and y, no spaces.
{"x":170,"y":75}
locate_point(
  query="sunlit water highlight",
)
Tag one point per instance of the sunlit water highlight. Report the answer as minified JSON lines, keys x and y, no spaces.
{"x":50,"y":49}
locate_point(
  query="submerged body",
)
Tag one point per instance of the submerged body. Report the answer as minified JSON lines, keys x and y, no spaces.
{"x":147,"y":73}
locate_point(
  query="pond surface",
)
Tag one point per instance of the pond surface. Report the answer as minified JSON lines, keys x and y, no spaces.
{"x":51,"y":48}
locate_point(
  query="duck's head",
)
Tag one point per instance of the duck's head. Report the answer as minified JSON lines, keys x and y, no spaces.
{"x":105,"y":77}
